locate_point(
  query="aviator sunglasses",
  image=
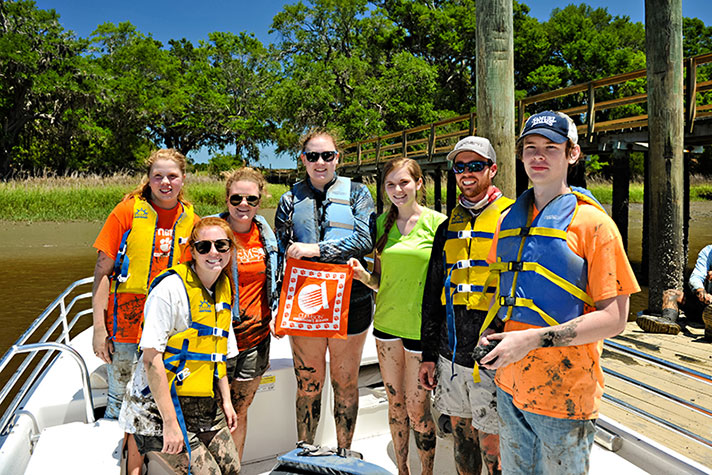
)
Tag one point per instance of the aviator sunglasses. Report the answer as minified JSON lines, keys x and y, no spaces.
{"x":313,"y":157}
{"x":221,"y":245}
{"x":252,"y":200}
{"x":474,"y":166}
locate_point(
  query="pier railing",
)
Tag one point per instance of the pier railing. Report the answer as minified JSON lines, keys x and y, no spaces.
{"x":602,"y":106}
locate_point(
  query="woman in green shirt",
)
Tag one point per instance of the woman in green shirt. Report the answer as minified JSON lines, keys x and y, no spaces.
{"x":403,"y":248}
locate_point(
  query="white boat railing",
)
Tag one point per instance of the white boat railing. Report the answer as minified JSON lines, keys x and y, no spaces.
{"x":43,"y":343}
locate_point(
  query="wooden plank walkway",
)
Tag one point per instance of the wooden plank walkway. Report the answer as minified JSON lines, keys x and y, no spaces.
{"x":687,"y":349}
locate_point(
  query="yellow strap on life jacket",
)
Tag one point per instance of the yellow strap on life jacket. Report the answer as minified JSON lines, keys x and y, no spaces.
{"x":537,"y":231}
{"x":557,"y":280}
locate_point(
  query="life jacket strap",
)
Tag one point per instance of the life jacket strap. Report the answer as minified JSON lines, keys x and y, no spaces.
{"x":509,"y":301}
{"x":206,"y":330}
{"x":533,"y":231}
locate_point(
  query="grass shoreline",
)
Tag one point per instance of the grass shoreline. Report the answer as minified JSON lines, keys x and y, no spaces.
{"x":93,"y":198}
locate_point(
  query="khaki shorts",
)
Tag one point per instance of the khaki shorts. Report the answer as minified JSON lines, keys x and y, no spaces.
{"x":462,"y":397}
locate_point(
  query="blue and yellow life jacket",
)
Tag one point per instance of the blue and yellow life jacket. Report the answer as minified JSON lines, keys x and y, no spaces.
{"x":338,"y":216}
{"x":541,"y":280}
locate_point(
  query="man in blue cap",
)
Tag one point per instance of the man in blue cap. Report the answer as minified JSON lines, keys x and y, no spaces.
{"x":564,"y":286}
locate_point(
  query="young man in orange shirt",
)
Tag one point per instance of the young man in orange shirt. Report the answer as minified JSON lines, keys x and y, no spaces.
{"x":565,"y":283}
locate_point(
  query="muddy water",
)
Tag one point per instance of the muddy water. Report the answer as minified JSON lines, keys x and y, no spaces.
{"x":39,"y":260}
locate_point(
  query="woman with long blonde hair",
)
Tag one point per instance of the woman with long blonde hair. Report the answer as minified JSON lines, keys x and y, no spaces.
{"x":146,"y":233}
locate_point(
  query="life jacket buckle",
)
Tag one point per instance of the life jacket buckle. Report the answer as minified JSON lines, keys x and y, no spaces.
{"x":217,"y":357}
{"x":217,"y":331}
{"x":182,"y":374}
{"x":507,"y":301}
{"x":524,"y":231}
{"x":516,"y":266}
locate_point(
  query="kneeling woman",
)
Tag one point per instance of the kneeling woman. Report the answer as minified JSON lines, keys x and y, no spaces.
{"x":186,"y":339}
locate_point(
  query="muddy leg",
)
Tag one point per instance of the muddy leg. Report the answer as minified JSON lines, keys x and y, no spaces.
{"x":467,"y":450}
{"x":418,"y":405}
{"x":225,"y":453}
{"x":242,"y":394}
{"x":310,"y":369}
{"x":489,"y":448}
{"x":201,"y":462}
{"x":344,"y":362}
{"x":390,"y":359}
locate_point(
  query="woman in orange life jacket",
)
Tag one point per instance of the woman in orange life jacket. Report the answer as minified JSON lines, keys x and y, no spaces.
{"x":145,"y":233}
{"x":403,"y":248}
{"x":171,"y":404}
{"x":253,"y":273}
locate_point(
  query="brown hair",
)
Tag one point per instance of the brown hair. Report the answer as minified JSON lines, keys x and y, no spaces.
{"x":392,"y":165}
{"x":144,"y":189}
{"x":206,"y":223}
{"x":246,"y":174}
{"x":318,"y":132}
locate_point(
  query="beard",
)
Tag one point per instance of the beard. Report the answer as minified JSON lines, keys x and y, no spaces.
{"x":476,"y":191}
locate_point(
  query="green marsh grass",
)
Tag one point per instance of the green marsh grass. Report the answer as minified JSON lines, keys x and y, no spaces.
{"x":91,"y":198}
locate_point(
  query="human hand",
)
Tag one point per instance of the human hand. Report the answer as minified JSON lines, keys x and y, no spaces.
{"x":102,"y":345}
{"x":273,"y":324}
{"x":360,"y":273}
{"x":513,"y":346}
{"x":230,"y":415}
{"x":703,"y":296}
{"x":172,"y":438}
{"x":426,"y":375}
{"x":299,"y":250}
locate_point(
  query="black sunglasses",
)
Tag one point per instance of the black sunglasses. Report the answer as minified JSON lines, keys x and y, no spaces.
{"x":313,"y":157}
{"x":236,"y":199}
{"x":221,"y":245}
{"x":474,"y":166}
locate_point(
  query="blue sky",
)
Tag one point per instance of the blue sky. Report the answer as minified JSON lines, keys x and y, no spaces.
{"x":184,"y":19}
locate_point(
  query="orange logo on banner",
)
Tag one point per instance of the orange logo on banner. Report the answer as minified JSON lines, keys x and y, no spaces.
{"x":314,"y":299}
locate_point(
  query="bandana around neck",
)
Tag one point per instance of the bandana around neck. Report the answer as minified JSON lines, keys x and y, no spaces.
{"x":492,"y":194}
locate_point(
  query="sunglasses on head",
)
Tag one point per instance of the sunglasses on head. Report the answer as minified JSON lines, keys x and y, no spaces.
{"x":221,"y":245}
{"x":474,"y":166}
{"x":313,"y":157}
{"x":236,"y":199}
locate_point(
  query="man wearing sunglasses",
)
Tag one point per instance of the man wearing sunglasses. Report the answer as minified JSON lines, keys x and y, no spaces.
{"x":455,"y":304}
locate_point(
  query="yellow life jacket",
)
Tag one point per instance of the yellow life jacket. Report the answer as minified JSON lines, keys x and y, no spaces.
{"x":132,"y":268}
{"x":465,"y":251}
{"x":196,"y":356}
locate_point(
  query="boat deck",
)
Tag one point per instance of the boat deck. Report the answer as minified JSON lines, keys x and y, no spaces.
{"x":650,"y":396}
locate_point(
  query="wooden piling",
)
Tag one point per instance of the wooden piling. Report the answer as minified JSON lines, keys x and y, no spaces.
{"x":621,"y":192}
{"x":495,"y":86}
{"x":663,"y":44}
{"x":437,"y":190}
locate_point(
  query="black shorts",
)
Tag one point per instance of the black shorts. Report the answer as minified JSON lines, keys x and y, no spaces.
{"x":249,"y":364}
{"x":360,"y":312}
{"x":410,"y":345}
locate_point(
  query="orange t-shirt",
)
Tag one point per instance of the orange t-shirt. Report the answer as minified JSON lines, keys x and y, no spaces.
{"x":567,"y":382}
{"x":130,"y":306}
{"x":254,"y":311}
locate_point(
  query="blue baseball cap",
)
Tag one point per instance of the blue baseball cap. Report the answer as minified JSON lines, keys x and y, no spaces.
{"x":555,"y":126}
